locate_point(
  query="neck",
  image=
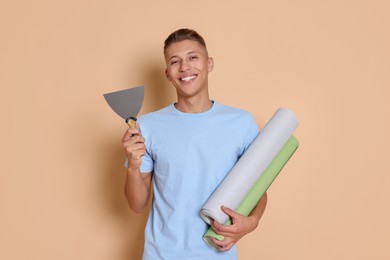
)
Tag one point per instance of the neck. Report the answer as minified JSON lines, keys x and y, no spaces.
{"x":194,"y":105}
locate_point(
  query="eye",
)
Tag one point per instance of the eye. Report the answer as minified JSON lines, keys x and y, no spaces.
{"x":193,"y":57}
{"x":173,"y":62}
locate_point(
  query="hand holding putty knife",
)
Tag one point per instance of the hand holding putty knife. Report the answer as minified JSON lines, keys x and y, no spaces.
{"x":127,"y":104}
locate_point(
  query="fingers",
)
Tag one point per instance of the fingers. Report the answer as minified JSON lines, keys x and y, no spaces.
{"x":223,"y":245}
{"x":133,"y":135}
{"x":231,"y":213}
{"x":134,"y":146}
{"x":227,"y":229}
{"x":131,"y":132}
{"x":135,"y":151}
{"x":131,"y":140}
{"x":232,"y":233}
{"x":228,"y":232}
{"x":224,"y":230}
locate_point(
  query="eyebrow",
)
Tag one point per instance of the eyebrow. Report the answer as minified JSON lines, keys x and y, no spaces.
{"x":188,"y":53}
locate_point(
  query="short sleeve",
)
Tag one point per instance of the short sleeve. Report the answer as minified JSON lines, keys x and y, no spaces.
{"x":147,"y":163}
{"x":147,"y":160}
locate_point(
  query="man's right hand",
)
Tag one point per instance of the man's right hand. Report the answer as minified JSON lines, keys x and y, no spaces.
{"x":134,"y":146}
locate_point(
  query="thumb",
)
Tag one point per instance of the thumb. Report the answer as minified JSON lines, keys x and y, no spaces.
{"x":232,"y":214}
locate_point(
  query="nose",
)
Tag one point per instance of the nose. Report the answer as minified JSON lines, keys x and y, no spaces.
{"x":184,"y":66}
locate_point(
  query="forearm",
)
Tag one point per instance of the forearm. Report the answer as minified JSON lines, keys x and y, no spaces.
{"x":137,"y":190}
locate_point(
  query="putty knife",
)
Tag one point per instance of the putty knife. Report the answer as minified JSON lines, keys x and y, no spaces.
{"x":126,"y":103}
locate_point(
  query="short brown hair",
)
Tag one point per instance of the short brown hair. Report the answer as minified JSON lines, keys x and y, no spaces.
{"x":184,"y":34}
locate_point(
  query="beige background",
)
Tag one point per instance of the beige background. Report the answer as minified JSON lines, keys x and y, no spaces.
{"x":61,"y":158}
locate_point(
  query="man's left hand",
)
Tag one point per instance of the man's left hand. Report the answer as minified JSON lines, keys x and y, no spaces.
{"x":241,"y":225}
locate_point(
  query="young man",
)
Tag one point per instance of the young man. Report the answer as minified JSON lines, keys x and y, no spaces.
{"x":187,"y":149}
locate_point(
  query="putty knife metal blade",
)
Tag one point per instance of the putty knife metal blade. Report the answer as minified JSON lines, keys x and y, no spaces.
{"x":126,"y":103}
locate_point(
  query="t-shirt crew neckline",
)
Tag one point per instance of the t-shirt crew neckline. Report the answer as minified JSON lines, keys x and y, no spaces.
{"x":211,"y":110}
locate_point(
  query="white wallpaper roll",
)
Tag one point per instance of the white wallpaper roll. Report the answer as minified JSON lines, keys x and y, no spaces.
{"x":250,"y":166}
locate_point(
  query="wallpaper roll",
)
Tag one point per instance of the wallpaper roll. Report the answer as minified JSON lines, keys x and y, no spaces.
{"x":260,"y":187}
{"x":250,"y":166}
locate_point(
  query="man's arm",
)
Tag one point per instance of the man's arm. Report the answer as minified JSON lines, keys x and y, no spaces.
{"x":138,"y":185}
{"x":137,"y":190}
{"x":241,"y":225}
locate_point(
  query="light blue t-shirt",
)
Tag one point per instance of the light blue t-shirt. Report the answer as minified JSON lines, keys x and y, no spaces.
{"x":189,"y":155}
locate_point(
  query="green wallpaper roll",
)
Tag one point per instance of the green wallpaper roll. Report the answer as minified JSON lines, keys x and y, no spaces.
{"x":260,"y":187}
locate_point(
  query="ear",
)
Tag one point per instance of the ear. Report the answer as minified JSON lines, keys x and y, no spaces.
{"x":167,"y":74}
{"x":210,"y":64}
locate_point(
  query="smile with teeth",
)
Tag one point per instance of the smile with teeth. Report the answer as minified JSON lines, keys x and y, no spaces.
{"x":188,"y":78}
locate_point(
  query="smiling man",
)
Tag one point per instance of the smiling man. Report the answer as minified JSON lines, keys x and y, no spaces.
{"x":188,"y":65}
{"x":187,"y":149}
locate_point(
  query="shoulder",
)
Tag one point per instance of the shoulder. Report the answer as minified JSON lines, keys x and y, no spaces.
{"x":242,"y":123}
{"x":230,"y":109}
{"x":151,"y":121}
{"x":154,"y":116}
{"x":236,"y":113}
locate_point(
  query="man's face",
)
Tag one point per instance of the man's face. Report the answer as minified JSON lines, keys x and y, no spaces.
{"x":188,"y":66}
